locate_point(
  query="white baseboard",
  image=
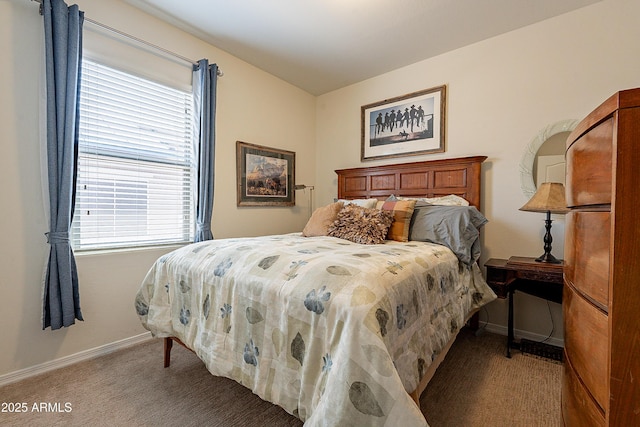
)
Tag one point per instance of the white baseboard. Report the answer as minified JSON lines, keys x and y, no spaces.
{"x":22,"y":374}
{"x":518,"y":333}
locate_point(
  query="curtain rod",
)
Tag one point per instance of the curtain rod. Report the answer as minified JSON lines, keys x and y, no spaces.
{"x":129,"y":36}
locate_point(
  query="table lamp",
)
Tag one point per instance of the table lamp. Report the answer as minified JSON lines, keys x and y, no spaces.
{"x":549,"y":198}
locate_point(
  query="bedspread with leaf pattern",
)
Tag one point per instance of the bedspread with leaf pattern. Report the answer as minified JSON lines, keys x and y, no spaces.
{"x":334,"y":332}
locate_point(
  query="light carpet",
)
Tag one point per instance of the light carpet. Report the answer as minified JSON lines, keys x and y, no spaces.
{"x":475,"y":386}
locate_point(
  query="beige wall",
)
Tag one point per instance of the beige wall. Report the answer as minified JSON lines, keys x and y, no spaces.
{"x":500,"y":93}
{"x":252,"y":106}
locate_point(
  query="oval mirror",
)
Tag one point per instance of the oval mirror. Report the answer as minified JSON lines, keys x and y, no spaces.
{"x":543,"y":158}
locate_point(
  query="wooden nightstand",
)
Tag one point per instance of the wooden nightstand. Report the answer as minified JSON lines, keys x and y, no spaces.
{"x":523,"y":274}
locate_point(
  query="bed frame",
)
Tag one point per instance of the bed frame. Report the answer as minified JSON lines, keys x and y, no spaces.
{"x":459,"y":176}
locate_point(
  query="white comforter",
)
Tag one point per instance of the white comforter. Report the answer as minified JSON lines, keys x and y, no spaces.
{"x":334,"y":332}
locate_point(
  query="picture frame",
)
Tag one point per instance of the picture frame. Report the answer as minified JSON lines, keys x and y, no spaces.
{"x":420,"y":129}
{"x":265,"y":175}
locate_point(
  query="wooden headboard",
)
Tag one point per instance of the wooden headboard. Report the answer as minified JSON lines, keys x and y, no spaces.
{"x":460,"y":176}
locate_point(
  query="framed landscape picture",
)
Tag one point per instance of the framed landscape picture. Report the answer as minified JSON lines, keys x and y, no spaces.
{"x":406,"y":125}
{"x":265,"y":175}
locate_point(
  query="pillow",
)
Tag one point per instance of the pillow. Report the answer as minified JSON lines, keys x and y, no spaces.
{"x":456,"y":227}
{"x":365,"y":203}
{"x":321,"y":219}
{"x":361,"y":225}
{"x":450,"y":200}
{"x":402,"y":212}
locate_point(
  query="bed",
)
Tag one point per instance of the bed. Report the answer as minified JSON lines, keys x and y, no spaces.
{"x":335,"y":332}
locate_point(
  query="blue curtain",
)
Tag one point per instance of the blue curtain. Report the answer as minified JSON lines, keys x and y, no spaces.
{"x":205,"y":79}
{"x":63,"y":54}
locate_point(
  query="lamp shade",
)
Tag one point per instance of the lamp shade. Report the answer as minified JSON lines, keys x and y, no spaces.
{"x":548,"y":198}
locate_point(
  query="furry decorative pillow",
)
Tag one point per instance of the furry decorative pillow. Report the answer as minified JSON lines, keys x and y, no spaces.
{"x":321,"y":220}
{"x":361,"y":225}
{"x":402,"y":211}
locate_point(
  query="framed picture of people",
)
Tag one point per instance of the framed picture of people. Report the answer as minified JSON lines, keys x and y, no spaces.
{"x":406,"y":125}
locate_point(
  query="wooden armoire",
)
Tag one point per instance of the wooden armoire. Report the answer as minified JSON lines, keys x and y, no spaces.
{"x":601,"y":302}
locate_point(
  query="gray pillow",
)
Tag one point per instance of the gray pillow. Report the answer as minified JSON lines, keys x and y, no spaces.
{"x":456,"y":227}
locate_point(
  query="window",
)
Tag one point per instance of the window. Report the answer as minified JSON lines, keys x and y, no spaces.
{"x":136,"y":165}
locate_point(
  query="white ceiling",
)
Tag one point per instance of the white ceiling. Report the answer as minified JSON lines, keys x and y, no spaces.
{"x":323,"y":45}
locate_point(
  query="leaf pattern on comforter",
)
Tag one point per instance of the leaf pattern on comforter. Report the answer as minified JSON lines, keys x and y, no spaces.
{"x":335,"y":332}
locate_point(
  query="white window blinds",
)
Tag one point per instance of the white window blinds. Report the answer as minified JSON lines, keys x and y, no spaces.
{"x":136,"y":162}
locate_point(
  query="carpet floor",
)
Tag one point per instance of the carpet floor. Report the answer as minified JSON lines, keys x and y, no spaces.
{"x":476,"y":385}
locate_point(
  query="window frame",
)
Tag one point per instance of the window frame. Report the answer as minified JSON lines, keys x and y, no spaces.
{"x":142,"y":154}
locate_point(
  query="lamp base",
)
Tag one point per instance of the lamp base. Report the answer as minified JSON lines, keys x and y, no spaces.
{"x":548,"y":258}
